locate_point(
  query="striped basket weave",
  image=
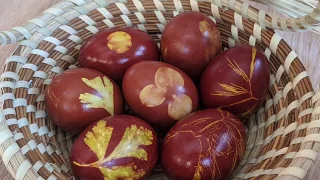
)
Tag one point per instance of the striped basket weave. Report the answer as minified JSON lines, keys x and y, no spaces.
{"x":284,"y":134}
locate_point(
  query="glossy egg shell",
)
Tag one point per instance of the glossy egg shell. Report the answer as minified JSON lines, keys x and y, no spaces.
{"x":124,"y":147}
{"x":237,"y":80}
{"x":114,"y":50}
{"x":190,"y":41}
{"x":71,"y":96}
{"x":206,"y":144}
{"x":159,"y":93}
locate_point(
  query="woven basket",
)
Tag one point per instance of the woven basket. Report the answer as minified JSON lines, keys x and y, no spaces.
{"x":283,"y":135}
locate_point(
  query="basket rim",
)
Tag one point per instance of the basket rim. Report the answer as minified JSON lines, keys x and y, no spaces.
{"x":307,"y":22}
{"x":258,"y":34}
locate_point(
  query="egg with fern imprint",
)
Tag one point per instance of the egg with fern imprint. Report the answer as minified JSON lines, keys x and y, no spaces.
{"x":117,"y":147}
{"x":237,"y":80}
{"x":206,"y":144}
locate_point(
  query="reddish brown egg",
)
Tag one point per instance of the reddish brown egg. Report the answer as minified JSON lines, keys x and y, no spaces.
{"x":114,"y":50}
{"x":207,"y":144}
{"x":237,"y":80}
{"x":160,"y":93}
{"x":79,"y":97}
{"x":190,"y":41}
{"x":116,"y":148}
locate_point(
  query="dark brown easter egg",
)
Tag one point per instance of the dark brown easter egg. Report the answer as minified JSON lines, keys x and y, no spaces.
{"x":116,"y":148}
{"x":237,"y":80}
{"x":114,"y":50}
{"x":206,"y":144}
{"x":159,"y":93}
{"x":79,"y":97}
{"x":190,"y":41}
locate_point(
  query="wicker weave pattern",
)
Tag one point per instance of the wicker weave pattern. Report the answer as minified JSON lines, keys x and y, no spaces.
{"x":65,"y":11}
{"x":284,"y":134}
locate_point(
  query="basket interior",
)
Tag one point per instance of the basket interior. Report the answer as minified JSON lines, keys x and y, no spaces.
{"x":276,"y":131}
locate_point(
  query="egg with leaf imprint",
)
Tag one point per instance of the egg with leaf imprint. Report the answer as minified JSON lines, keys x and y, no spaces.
{"x":237,"y":80}
{"x":190,"y":41}
{"x":206,"y":144}
{"x":79,"y":97}
{"x":159,"y":93}
{"x":113,"y":51}
{"x":119,"y":147}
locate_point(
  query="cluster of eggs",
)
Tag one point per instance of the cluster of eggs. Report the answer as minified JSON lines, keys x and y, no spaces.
{"x":197,"y":95}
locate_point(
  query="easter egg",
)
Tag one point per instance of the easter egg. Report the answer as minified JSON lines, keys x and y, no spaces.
{"x":79,"y":97}
{"x":159,"y":93}
{"x":117,"y":147}
{"x":237,"y":80}
{"x":206,"y":144}
{"x":190,"y":41}
{"x":114,"y":50}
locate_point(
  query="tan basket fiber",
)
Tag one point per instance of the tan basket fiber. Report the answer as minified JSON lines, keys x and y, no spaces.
{"x":67,"y":10}
{"x":284,"y":134}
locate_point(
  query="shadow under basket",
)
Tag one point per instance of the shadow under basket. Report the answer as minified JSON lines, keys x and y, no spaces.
{"x":283,"y":136}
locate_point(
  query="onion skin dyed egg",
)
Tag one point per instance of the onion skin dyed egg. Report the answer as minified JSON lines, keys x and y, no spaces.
{"x":190,"y":41}
{"x":119,"y":147}
{"x":237,"y":80}
{"x":159,"y":93}
{"x":206,"y":144}
{"x":78,"y":97}
{"x":114,"y":50}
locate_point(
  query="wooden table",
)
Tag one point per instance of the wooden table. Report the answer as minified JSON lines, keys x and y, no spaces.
{"x":17,"y":12}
